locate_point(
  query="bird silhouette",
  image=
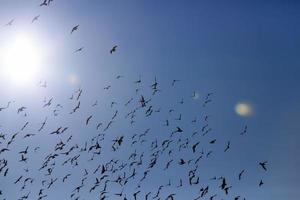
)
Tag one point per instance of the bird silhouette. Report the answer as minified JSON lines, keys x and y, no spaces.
{"x":114,"y":48}
{"x":35,"y":19}
{"x":263,"y":165}
{"x":75,"y":28}
{"x":10,"y":23}
{"x":78,"y":50}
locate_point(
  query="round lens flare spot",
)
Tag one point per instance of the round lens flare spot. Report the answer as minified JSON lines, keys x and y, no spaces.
{"x":243,"y":109}
{"x":20,"y":61}
{"x":73,"y":79}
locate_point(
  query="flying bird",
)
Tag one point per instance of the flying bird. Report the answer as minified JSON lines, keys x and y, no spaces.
{"x":35,"y":18}
{"x":75,"y":28}
{"x":260,"y":183}
{"x":113,"y":49}
{"x":44,"y":3}
{"x":78,"y":50}
{"x":241,"y":173}
{"x":263,"y":165}
{"x":10,"y":22}
{"x":88,"y":119}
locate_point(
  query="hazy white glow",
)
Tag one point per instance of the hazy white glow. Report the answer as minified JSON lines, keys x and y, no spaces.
{"x":243,"y":109}
{"x":20,"y":60}
{"x":73,"y":79}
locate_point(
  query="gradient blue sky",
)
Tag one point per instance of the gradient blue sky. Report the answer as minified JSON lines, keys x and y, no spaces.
{"x":243,"y":51}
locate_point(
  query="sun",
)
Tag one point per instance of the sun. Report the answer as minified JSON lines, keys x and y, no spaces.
{"x":20,"y":60}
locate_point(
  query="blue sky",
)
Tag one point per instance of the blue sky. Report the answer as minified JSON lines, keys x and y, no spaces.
{"x":242,"y":51}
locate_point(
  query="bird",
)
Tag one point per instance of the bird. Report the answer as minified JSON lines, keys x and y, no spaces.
{"x":88,"y":119}
{"x":35,"y":18}
{"x":241,"y":173}
{"x":170,"y":196}
{"x":119,"y":140}
{"x":107,"y":87}
{"x":227,"y":146}
{"x":138,"y":81}
{"x":4,"y":150}
{"x":194,"y":146}
{"x":75,"y":28}
{"x":7,"y":106}
{"x":142,"y":101}
{"x":10,"y":22}
{"x":263,"y":165}
{"x":226,"y":189}
{"x":114,"y":48}
{"x":65,"y":177}
{"x":48,"y":103}
{"x":21,"y":109}
{"x":18,"y":180}
{"x":43,"y":124}
{"x":244,"y":131}
{"x":25,"y":151}
{"x":260,"y":183}
{"x":78,"y":50}
{"x":237,"y":197}
{"x":44,"y":3}
{"x":174,"y":81}
{"x":213,"y":141}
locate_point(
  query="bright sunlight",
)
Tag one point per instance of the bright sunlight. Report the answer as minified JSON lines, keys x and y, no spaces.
{"x":20,"y":60}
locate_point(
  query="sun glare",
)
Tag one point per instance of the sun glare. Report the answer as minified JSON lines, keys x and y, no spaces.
{"x":20,"y":61}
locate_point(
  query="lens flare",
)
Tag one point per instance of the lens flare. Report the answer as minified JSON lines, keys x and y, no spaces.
{"x":243,"y":109}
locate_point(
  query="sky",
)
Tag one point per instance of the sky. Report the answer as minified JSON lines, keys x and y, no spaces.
{"x":241,"y":51}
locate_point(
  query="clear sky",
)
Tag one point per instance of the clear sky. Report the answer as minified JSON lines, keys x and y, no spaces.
{"x":241,"y":51}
